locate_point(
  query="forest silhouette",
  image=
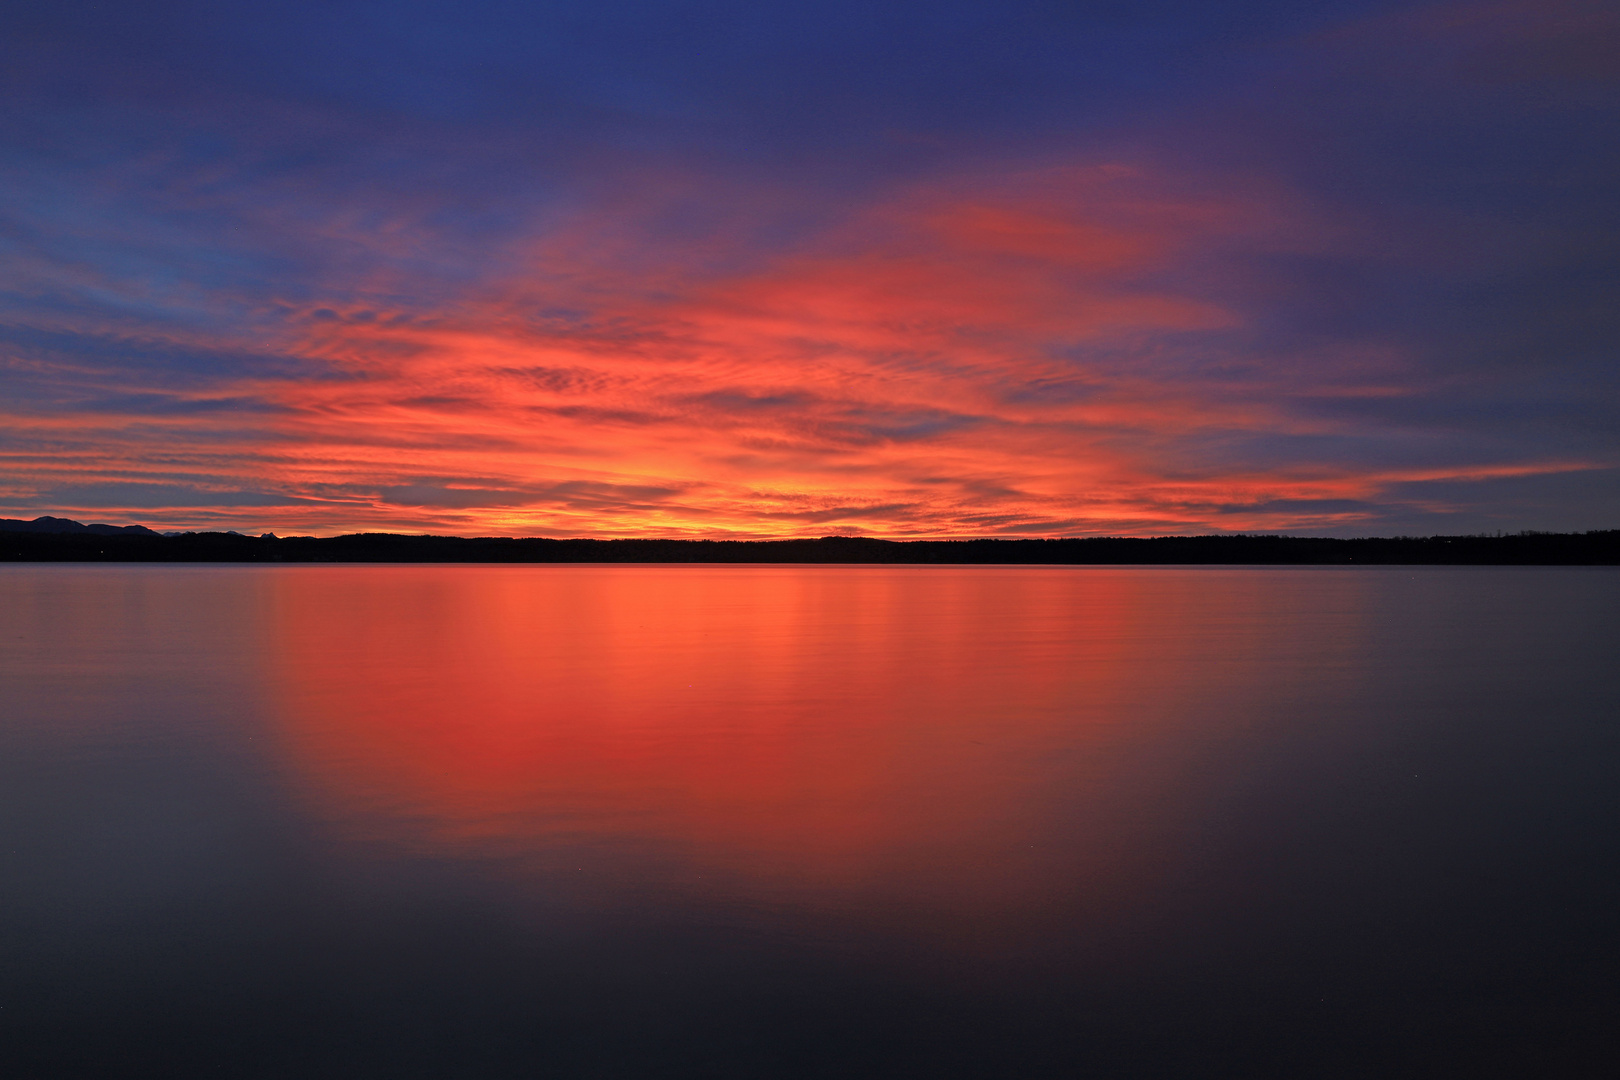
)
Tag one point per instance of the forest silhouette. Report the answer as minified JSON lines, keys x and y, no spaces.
{"x":61,"y":540}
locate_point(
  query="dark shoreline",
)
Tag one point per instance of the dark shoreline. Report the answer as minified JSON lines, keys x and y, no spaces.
{"x":1524,"y":549}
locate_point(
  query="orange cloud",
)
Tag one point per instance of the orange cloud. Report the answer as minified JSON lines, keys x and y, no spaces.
{"x":1044,"y":353}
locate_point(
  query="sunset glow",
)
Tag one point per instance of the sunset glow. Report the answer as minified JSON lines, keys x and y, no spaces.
{"x":1244,"y":299}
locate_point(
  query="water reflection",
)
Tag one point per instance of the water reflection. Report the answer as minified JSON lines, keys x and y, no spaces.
{"x":930,"y":744}
{"x":591,"y":821}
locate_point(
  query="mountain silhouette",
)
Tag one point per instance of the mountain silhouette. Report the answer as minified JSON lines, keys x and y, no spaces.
{"x":64,"y":525}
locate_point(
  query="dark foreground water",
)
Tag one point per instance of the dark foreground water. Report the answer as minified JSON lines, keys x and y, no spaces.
{"x":809,"y":821}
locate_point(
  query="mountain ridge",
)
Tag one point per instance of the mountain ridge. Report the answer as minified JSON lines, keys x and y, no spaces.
{"x":48,"y":524}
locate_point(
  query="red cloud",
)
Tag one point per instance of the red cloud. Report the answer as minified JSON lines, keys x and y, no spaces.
{"x":1044,"y":353}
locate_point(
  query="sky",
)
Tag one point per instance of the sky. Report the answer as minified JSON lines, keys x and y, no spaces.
{"x":749,"y":270}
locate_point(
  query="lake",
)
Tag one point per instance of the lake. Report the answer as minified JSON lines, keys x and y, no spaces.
{"x":809,"y":821}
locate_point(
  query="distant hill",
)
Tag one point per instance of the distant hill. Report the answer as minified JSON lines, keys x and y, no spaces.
{"x":56,"y":540}
{"x":63,"y":525}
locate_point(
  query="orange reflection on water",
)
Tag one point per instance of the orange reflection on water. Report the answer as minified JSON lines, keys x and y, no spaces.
{"x":950,"y":737}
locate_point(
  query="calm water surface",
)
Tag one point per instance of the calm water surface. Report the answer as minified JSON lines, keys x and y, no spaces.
{"x":809,"y":821}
